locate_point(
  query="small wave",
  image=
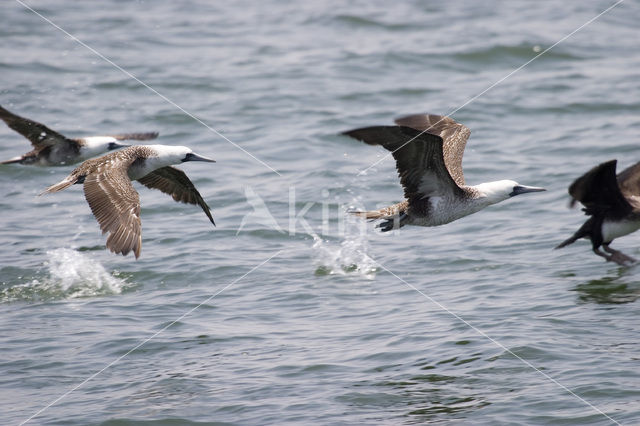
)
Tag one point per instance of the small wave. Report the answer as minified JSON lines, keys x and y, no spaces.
{"x":361,"y":21}
{"x":495,"y":54}
{"x":69,"y":274}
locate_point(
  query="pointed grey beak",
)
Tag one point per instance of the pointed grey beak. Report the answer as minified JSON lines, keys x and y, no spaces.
{"x":116,"y":145}
{"x":196,"y":157}
{"x":521,"y":189}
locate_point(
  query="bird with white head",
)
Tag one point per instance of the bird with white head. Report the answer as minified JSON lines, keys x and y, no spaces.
{"x":112,"y":198}
{"x":428,"y":151}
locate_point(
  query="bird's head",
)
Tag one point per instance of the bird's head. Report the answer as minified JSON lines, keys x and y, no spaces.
{"x":116,"y":145}
{"x":190,"y":156}
{"x":96,"y":145}
{"x":503,"y":189}
{"x":177,"y":154}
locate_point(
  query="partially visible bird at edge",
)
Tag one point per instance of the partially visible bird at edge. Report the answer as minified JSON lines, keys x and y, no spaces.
{"x":51,"y":148}
{"x":613,"y":206}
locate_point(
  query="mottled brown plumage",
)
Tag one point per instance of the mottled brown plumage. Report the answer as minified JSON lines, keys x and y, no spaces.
{"x":454,"y":138}
{"x":116,"y":206}
{"x":114,"y":201}
{"x":416,"y":153}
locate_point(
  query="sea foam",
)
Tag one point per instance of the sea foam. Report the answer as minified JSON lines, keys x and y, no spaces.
{"x":66,"y":274}
{"x":348,"y":256}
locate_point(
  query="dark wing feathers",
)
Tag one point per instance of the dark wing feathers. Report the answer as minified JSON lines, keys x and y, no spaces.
{"x":419,"y":158}
{"x":629,"y":183}
{"x":453,"y":134}
{"x":599,"y":192}
{"x":136,"y":136}
{"x":116,"y":206}
{"x":40,"y":135}
{"x":175,"y":182}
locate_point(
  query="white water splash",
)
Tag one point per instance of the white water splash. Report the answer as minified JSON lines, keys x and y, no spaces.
{"x":349,"y":257}
{"x":79,"y":275}
{"x":71,"y":274}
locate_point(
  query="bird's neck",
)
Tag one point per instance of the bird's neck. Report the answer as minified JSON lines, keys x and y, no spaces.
{"x":94,"y":145}
{"x":143,"y":167}
{"x":488,"y":193}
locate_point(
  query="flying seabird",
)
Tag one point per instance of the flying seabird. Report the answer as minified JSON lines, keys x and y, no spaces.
{"x":112,"y":198}
{"x":428,"y":151}
{"x":50,"y":148}
{"x":613,"y":204}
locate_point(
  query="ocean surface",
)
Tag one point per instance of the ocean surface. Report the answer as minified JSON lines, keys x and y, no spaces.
{"x":289,"y":312}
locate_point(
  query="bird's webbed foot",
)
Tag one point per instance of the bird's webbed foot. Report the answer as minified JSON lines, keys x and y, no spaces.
{"x":392,"y":223}
{"x":388,"y":225}
{"x":619,"y":257}
{"x":615,"y":256}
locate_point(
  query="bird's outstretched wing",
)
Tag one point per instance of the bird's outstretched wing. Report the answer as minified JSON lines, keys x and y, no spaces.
{"x":136,"y":136}
{"x":629,"y":183}
{"x":419,"y":159}
{"x":453,"y":134}
{"x":116,"y":205}
{"x":38,"y":134}
{"x":599,"y":192}
{"x":175,"y":182}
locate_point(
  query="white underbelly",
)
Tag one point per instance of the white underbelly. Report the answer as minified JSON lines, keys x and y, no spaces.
{"x":445,"y":210}
{"x":59,"y":157}
{"x":137,"y":172}
{"x":612,"y":230}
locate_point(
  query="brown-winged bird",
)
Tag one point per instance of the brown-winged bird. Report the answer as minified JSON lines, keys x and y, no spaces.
{"x":112,"y":197}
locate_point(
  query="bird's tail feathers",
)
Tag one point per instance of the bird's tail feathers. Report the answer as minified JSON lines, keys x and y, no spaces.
{"x":391,"y":223}
{"x":583,"y":232}
{"x":369,"y":215}
{"x":390,"y":219}
{"x":67,"y":182}
{"x":575,"y":237}
{"x":12,"y":161}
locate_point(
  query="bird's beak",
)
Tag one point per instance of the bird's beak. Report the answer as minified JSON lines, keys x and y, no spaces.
{"x":196,"y":157}
{"x":116,"y":145}
{"x":521,"y":189}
